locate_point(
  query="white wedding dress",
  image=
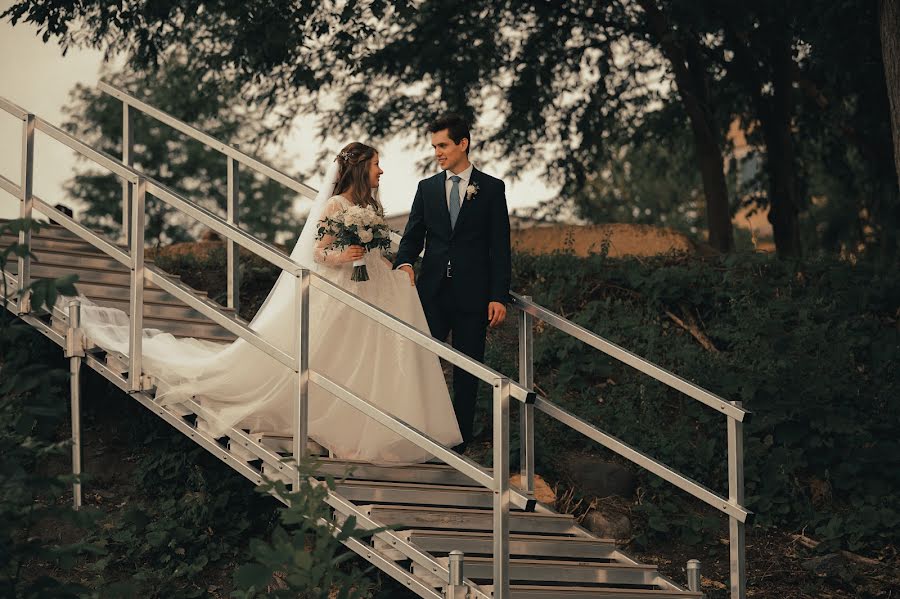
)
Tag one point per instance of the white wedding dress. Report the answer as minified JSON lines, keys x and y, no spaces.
{"x":238,"y":385}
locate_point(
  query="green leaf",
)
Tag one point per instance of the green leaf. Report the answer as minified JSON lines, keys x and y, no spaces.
{"x":251,"y":576}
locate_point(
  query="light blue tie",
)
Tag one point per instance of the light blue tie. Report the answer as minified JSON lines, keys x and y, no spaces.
{"x":454,"y":200}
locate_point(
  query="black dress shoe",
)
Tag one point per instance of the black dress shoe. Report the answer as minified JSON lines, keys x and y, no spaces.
{"x":461,"y":448}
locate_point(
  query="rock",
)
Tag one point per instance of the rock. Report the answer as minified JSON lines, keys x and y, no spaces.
{"x":594,"y":477}
{"x":542,"y":491}
{"x":210,"y":235}
{"x":607,"y":526}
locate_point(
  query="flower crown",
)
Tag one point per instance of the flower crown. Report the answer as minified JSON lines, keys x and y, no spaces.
{"x":346,"y":156}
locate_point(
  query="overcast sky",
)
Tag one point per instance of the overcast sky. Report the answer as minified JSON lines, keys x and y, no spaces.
{"x":38,"y":78}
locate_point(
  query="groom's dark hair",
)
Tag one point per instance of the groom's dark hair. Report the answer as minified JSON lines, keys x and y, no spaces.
{"x":456,"y":126}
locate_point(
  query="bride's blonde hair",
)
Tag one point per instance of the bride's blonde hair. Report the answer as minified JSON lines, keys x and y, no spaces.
{"x":354,"y":161}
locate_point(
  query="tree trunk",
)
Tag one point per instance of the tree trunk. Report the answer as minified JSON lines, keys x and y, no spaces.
{"x":718,"y":213}
{"x":692,"y":82}
{"x":784,"y":205}
{"x":889,"y":22}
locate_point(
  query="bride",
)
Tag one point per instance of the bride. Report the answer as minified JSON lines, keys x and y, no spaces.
{"x":240,"y":386}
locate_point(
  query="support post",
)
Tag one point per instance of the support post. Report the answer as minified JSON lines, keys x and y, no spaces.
{"x":136,"y":296}
{"x":301,"y":405}
{"x":526,"y":411}
{"x":456,"y":589}
{"x":232,"y":202}
{"x":127,"y":160}
{"x":693,"y":575}
{"x":501,"y":488}
{"x":736,"y":532}
{"x":75,"y":353}
{"x":26,"y":206}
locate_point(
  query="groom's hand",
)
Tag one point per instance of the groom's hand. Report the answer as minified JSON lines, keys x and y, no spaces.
{"x":496,"y":313}
{"x":412,"y":274}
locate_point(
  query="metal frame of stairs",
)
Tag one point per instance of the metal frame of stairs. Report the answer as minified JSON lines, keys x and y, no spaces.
{"x":458,"y":505}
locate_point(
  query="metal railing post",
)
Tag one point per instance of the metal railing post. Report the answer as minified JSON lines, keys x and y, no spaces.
{"x":25,"y":210}
{"x":693,"y":575}
{"x":301,"y":405}
{"x":136,"y":295}
{"x":127,"y":160}
{"x":501,"y":488}
{"x":232,"y":203}
{"x":75,"y":353}
{"x":736,"y":528}
{"x":526,"y":411}
{"x":456,"y":589}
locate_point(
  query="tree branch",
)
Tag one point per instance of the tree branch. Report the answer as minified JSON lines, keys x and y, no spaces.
{"x":690,"y":325}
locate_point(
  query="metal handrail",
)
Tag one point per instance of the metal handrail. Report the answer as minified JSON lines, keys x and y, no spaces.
{"x":139,"y":184}
{"x":230,"y":323}
{"x":13,"y":109}
{"x":97,"y":156}
{"x":111,"y":250}
{"x":269,"y":253}
{"x":9,"y":187}
{"x":210,"y":141}
{"x":623,"y":355}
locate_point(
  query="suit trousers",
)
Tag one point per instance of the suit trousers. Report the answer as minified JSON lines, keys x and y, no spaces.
{"x":468,"y":336}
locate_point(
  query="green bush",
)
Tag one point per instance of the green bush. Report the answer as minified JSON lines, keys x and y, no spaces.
{"x":304,"y":553}
{"x":812,"y":349}
{"x":32,"y":409}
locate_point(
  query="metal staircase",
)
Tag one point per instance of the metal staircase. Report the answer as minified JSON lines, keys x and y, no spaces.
{"x":465,"y":531}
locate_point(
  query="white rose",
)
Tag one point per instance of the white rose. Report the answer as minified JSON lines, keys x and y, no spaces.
{"x":365,"y":235}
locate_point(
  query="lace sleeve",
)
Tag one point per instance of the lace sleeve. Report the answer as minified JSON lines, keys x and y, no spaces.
{"x":323,"y":253}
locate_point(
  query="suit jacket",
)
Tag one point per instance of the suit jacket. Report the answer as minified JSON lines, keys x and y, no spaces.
{"x":478,"y":247}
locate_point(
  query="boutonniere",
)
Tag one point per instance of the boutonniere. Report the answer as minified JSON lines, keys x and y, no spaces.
{"x":471,"y":190}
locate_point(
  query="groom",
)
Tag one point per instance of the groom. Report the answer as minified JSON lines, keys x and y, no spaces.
{"x":459,"y":215}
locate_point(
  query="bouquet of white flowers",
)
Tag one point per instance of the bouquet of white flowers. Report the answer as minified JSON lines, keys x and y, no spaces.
{"x":356,"y":225}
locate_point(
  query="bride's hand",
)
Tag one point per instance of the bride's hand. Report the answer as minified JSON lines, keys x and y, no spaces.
{"x":353,"y":252}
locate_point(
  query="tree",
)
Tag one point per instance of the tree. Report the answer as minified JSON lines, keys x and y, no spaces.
{"x":653,"y":181}
{"x":556,"y":75}
{"x":550,"y":83}
{"x":845,"y":155}
{"x":684,"y":51}
{"x":762,"y":39}
{"x":889,"y":20}
{"x":187,"y":166}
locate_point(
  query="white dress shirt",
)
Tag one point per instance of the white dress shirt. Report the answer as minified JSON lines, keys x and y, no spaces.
{"x":464,"y":176}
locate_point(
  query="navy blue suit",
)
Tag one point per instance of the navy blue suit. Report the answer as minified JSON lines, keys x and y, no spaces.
{"x":478,"y":250}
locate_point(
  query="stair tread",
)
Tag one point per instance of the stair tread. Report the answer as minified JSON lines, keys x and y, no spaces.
{"x":523,"y":536}
{"x":561,"y":591}
{"x":413,"y":486}
{"x":466,"y":511}
{"x":568,"y":563}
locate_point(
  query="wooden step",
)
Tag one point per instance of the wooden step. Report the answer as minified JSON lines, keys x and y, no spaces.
{"x":468,"y":519}
{"x":438,"y":474}
{"x":113,"y":287}
{"x":529,"y":591}
{"x":521,"y":545}
{"x":42,"y":241}
{"x":631,"y":576}
{"x":180,"y":328}
{"x":45,"y":270}
{"x":414,"y":494}
{"x":123,"y":293}
{"x":161,"y":311}
{"x":95,"y":260}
